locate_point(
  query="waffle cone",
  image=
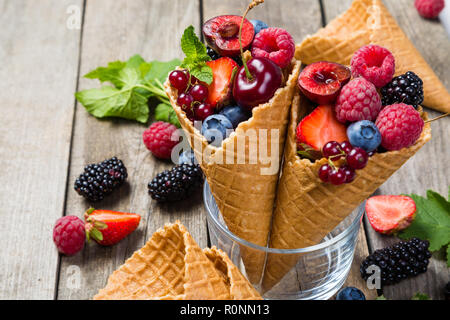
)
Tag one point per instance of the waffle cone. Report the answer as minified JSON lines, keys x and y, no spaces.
{"x":308,"y":209}
{"x":240,"y":176}
{"x":369,"y":22}
{"x":171,"y":266}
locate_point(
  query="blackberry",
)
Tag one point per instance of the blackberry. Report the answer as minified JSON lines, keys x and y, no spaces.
{"x":400,"y":261}
{"x":214,"y":56}
{"x":406,"y":88}
{"x":100,"y":179}
{"x":177,"y":183}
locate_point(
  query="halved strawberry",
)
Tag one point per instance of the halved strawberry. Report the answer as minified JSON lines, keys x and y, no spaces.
{"x":220,"y":92}
{"x":388,"y":214}
{"x":320,"y":127}
{"x":109,"y":227}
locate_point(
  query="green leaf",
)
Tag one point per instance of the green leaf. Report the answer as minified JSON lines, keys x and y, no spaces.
{"x":196,"y":56}
{"x":96,"y":234}
{"x":135,"y":62}
{"x":108,"y":74}
{"x":432,"y":221}
{"x":420,"y":296}
{"x":111,"y":102}
{"x":382,"y":297}
{"x":165,"y":112}
{"x":160,"y":70}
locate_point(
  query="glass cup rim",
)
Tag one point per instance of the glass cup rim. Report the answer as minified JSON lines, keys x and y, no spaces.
{"x":309,"y":249}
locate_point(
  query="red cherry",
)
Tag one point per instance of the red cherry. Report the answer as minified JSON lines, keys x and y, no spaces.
{"x":323,"y":172}
{"x":178,"y":80}
{"x":332,"y":150}
{"x":350,"y":173}
{"x":199,"y":92}
{"x":202,"y":111}
{"x":357,"y":158}
{"x":346,"y":147}
{"x":337,"y":177}
{"x":266,"y":79}
{"x":185,"y":101}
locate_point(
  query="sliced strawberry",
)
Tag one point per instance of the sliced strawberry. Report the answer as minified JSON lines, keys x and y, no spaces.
{"x":320,"y":127}
{"x":389,"y":214}
{"x":220,"y":89}
{"x":109,"y":227}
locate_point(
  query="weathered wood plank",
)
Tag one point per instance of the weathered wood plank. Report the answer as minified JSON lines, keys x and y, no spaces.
{"x":39,"y":55}
{"x":428,"y":169}
{"x":118,"y":30}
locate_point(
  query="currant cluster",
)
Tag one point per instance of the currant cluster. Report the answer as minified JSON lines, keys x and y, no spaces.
{"x":191,"y":95}
{"x":356,"y":159}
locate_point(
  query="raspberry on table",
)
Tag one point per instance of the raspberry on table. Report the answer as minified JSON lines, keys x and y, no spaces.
{"x":100,"y":179}
{"x":429,"y":9}
{"x":374,"y":63}
{"x":400,"y":126}
{"x":69,"y":235}
{"x":160,"y":139}
{"x":275,"y":44}
{"x":406,"y":88}
{"x":358,"y":100}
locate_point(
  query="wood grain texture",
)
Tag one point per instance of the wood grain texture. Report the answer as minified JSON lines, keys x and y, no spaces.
{"x":428,"y":169}
{"x":118,"y":30}
{"x":35,"y":128}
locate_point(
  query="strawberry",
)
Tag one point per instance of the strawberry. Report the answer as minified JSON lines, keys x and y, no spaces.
{"x":388,"y":214}
{"x":319,"y":127}
{"x":109,"y":227}
{"x":219,"y":91}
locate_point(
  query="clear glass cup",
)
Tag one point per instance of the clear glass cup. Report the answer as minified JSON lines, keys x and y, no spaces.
{"x":321,"y":270}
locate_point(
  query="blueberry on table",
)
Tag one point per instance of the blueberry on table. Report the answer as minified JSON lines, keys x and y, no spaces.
{"x":216,"y":128}
{"x":350,"y":293}
{"x":364,"y":134}
{"x":235,"y":114}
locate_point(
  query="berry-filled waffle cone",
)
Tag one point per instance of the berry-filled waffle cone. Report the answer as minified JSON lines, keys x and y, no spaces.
{"x":369,"y":22}
{"x":244,"y":185}
{"x":307,"y":209}
{"x":171,"y":266}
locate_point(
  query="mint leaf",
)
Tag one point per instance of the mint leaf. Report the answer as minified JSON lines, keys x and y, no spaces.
{"x":420,"y":296}
{"x":108,"y":74}
{"x":382,"y":297}
{"x":196,"y":56}
{"x":165,"y":112}
{"x":135,"y":62}
{"x":432,"y":221}
{"x":160,"y":70}
{"x":112,"y":102}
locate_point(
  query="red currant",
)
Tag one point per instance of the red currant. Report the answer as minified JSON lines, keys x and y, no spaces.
{"x":332,"y":150}
{"x":346,"y":147}
{"x":323,"y":172}
{"x":199,"y":92}
{"x":350,"y":173}
{"x":202,"y":111}
{"x":185,"y":101}
{"x":357,"y":158}
{"x":178,"y":80}
{"x":337,"y":177}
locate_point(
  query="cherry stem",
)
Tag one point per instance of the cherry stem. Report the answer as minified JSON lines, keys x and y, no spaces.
{"x":252,"y":4}
{"x":437,"y":118}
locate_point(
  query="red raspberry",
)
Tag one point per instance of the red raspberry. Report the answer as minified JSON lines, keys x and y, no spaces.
{"x":69,"y":235}
{"x":275,"y":44}
{"x":400,"y":126}
{"x":429,"y":8}
{"x":160,"y":139}
{"x":374,"y":63}
{"x":358,"y":100}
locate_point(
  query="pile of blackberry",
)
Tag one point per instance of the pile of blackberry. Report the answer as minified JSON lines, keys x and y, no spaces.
{"x":177,"y":183}
{"x":214,"y":56}
{"x":406,"y":88}
{"x":400,"y":261}
{"x":100,"y":179}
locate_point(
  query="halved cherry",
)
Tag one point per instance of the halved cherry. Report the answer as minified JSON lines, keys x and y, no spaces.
{"x":322,"y":81}
{"x":222,"y":34}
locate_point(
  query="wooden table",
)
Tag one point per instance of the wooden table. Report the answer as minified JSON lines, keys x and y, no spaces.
{"x":46,"y":137}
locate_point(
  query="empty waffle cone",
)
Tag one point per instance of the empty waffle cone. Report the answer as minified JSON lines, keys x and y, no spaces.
{"x":243,"y":172}
{"x":308,"y":209}
{"x":369,"y":22}
{"x":171,"y":266}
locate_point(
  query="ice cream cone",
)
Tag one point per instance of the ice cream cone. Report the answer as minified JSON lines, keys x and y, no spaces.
{"x":369,"y":22}
{"x":242,"y":176}
{"x":171,"y":266}
{"x":308,"y":209}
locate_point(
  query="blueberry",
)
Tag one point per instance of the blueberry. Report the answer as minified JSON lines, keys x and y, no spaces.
{"x":258,"y":25}
{"x":364,"y":134}
{"x":216,"y":128}
{"x":350,"y":293}
{"x":235,"y":114}
{"x":187,"y":157}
